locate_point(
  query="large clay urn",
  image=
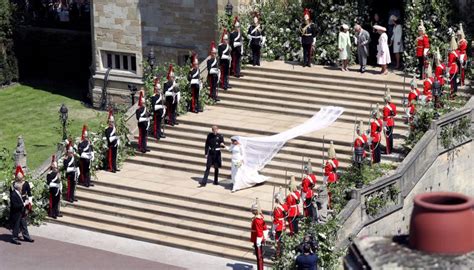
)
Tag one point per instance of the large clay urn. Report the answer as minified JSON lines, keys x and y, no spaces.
{"x":443,"y":223}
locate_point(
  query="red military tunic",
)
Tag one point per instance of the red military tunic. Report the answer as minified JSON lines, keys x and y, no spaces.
{"x":414,"y":94}
{"x":422,"y":43}
{"x":427,"y":84}
{"x":307,"y":185}
{"x":375,"y":129}
{"x":279,"y":217}
{"x":360,"y":141}
{"x":257,"y":228}
{"x":439,"y":72}
{"x":292,"y":200}
{"x":453,"y":57}
{"x":330,"y":170}
{"x":389,"y":112}
{"x":462,"y":47}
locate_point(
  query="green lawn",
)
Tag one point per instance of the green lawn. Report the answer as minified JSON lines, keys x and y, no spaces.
{"x":33,"y":113}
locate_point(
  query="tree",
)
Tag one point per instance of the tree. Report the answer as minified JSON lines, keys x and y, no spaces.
{"x":8,"y":61}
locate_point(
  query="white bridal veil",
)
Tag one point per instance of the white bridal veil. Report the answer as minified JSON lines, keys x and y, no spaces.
{"x":259,"y":151}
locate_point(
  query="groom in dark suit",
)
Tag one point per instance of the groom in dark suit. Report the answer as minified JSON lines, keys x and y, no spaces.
{"x":17,"y":215}
{"x":212,"y":151}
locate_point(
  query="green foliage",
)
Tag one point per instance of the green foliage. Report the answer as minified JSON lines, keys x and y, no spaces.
{"x":326,"y":235}
{"x":376,"y":202}
{"x":181,"y":73}
{"x":435,"y":16}
{"x":8,"y":61}
{"x":455,"y":132}
{"x":282,"y":19}
{"x":38,"y":188}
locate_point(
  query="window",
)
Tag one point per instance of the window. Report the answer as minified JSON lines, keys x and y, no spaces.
{"x":119,"y":61}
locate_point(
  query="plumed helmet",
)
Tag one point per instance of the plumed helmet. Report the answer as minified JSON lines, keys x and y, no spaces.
{"x":141,"y":99}
{"x":387,"y":97}
{"x":194,"y":59}
{"x":308,"y":167}
{"x":453,"y":45}
{"x":84,"y":132}
{"x":279,"y":198}
{"x":212,"y":48}
{"x":421,"y":27}
{"x":54,"y":163}
{"x":236,"y":22}
{"x":413,"y":83}
{"x":437,"y":57}
{"x":461,"y":32}
{"x":170,"y":72}
{"x":256,"y":206}
{"x":360,"y":127}
{"x":292,"y":185}
{"x":429,"y":70}
{"x":376,"y":111}
{"x":110,"y":118}
{"x":306,"y":13}
{"x":19,"y":171}
{"x":70,"y":147}
{"x":332,"y":151}
{"x":224,"y":35}
{"x":156,"y":85}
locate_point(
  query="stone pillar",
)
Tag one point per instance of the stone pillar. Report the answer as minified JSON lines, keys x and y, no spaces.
{"x":20,"y":154}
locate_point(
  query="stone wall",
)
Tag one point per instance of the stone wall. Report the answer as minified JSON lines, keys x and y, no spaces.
{"x":452,"y":171}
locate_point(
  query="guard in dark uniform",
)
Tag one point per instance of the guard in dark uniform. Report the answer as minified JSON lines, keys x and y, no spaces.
{"x":194,"y":78}
{"x":172,"y":95}
{"x":213,"y":72}
{"x":308,"y":38}
{"x":72,"y":173}
{"x":113,"y":142}
{"x":143,"y":118}
{"x":236,"y":43}
{"x":256,"y":36}
{"x":212,"y":150}
{"x":86,"y":153}
{"x":53,"y":180}
{"x":158,"y":108}
{"x":224,"y":51}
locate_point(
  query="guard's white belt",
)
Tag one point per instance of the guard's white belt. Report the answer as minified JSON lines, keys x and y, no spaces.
{"x":214,"y":71}
{"x":237,"y":44}
{"x":294,"y":205}
{"x":70,"y":169}
{"x":217,"y":149}
{"x":86,"y":155}
{"x":194,"y":81}
{"x":225,"y":57}
{"x":256,"y":36}
{"x":157,"y":107}
{"x":53,"y":185}
{"x":169,"y":94}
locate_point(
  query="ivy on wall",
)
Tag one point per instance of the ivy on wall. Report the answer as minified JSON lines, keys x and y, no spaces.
{"x":8,"y":61}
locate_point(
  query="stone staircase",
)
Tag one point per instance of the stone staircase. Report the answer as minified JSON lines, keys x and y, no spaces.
{"x":155,"y":197}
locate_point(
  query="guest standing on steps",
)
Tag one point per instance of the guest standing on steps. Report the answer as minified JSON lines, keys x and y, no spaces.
{"x":383,"y":53}
{"x":362,"y":41}
{"x":212,"y":151}
{"x":344,"y":46}
{"x":256,"y":36}
{"x":17,"y":215}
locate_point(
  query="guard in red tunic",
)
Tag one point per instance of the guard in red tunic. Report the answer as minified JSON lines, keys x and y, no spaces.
{"x":213,"y":72}
{"x":293,"y":201}
{"x":307,"y":193}
{"x":376,"y":126}
{"x":279,"y":216}
{"x":453,"y":78}
{"x":72,"y":173}
{"x":330,"y":170}
{"x":258,"y":233}
{"x":113,"y":142}
{"x":440,"y":69}
{"x":428,"y":84}
{"x":143,"y":118}
{"x":389,"y":114}
{"x":53,"y":180}
{"x":462,"y":47}
{"x":224,"y":52}
{"x":414,"y":92}
{"x":359,"y":144}
{"x":158,"y":108}
{"x":453,"y":55}
{"x":194,"y":78}
{"x":422,"y":48}
{"x":237,"y":45}
{"x":86,"y":156}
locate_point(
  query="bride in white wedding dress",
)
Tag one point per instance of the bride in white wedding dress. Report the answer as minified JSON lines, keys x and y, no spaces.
{"x":251,"y":154}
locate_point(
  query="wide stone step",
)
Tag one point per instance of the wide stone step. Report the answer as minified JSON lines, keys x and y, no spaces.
{"x":310,"y":96}
{"x":166,"y":220}
{"x":285,"y":105}
{"x":334,"y":74}
{"x":176,"y":211}
{"x":154,"y":237}
{"x":170,"y":199}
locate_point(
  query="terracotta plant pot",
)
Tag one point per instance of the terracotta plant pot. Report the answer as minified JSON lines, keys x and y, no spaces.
{"x":442,"y":222}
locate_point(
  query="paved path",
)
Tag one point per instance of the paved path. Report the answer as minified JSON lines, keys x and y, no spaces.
{"x":62,"y":247}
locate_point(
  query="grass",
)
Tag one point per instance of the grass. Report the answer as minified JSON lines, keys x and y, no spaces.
{"x":32,"y":111}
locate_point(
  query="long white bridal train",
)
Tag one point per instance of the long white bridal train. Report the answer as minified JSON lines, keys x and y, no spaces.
{"x":256,"y":152}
